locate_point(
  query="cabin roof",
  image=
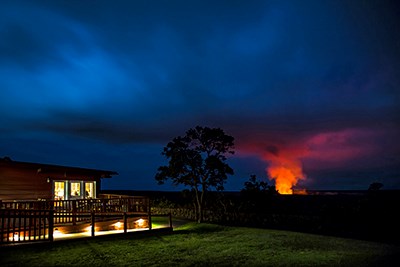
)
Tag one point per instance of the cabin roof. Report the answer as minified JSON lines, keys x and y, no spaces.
{"x":51,"y":168}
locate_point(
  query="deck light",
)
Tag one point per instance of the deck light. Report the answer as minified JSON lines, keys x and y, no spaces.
{"x":140,"y":222}
{"x":16,"y":237}
{"x":118,"y":225}
{"x":89,"y":229}
{"x":57,"y":233}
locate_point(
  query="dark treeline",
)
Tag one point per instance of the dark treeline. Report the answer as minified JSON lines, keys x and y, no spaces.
{"x":370,"y":215}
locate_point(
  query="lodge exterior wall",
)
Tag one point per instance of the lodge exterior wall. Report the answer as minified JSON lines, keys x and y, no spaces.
{"x":23,"y":184}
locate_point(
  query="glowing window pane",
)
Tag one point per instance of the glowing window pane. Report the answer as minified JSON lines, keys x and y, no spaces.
{"x":75,"y":189}
{"x":59,"y":190}
{"x":89,"y":190}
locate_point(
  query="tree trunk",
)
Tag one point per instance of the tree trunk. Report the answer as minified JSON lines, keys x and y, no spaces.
{"x":200,"y":213}
{"x":199,"y":206}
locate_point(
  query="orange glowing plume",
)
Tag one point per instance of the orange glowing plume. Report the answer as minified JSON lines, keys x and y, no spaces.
{"x":285,"y":168}
{"x":285,"y":177}
{"x":284,"y":159}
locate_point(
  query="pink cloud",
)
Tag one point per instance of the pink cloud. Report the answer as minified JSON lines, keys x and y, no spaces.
{"x":341,"y":148}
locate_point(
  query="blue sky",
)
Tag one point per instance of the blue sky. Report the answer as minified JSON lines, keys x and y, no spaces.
{"x":107,"y":84}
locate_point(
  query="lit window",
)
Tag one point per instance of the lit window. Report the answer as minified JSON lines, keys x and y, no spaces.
{"x":75,"y":189}
{"x":59,"y":190}
{"x":89,"y":190}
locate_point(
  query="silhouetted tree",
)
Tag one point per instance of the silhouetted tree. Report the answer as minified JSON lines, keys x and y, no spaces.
{"x":253,"y":185}
{"x":375,"y":186}
{"x":197,"y":160}
{"x":257,"y":194}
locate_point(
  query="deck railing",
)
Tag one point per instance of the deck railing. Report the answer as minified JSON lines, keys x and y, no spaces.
{"x":35,"y":220}
{"x":19,"y":225}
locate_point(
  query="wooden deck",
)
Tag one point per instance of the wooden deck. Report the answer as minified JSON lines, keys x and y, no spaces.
{"x":27,"y":221}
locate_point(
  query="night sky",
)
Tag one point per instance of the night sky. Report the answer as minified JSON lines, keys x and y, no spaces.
{"x":309,"y":85}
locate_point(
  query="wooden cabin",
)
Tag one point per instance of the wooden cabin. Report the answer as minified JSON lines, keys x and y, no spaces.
{"x":37,"y":181}
{"x":40,"y":202}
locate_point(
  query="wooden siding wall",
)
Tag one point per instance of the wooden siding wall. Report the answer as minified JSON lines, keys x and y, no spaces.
{"x":23,"y":184}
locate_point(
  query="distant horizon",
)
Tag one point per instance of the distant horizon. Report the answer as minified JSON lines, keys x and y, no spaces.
{"x":311,"y":190}
{"x":295,"y":190}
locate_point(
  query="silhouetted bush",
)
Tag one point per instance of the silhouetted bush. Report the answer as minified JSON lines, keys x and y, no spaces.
{"x":366,"y":216}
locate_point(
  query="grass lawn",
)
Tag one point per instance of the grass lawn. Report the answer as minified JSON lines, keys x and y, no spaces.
{"x":205,"y":245}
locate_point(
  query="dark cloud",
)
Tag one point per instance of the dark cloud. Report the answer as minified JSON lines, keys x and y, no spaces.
{"x":279,"y":76}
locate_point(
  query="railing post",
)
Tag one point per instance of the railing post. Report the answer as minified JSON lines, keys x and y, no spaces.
{"x":3,"y":225}
{"x":93,"y":223}
{"x":74,"y":208}
{"x":104,"y":204}
{"x":149,"y":212}
{"x":125,"y":223}
{"x":51,"y":225}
